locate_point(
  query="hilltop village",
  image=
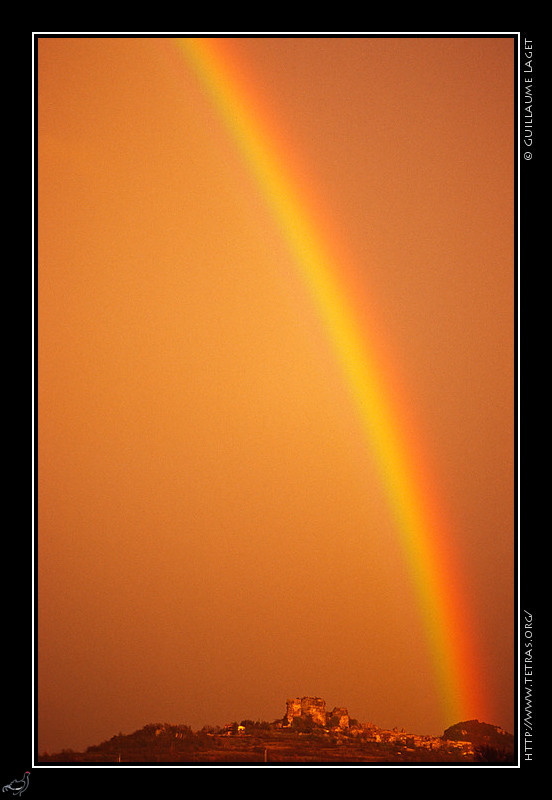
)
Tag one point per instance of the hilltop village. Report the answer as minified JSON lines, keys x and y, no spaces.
{"x":307,"y":714}
{"x":307,"y":732}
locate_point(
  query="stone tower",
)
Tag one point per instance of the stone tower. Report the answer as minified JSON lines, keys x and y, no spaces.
{"x":313,"y":708}
{"x":342,"y":715}
{"x":293,"y":709}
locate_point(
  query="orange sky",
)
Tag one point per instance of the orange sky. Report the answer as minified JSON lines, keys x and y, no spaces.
{"x":212,"y":535}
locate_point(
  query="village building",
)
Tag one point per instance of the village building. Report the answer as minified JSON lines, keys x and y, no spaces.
{"x":313,"y":709}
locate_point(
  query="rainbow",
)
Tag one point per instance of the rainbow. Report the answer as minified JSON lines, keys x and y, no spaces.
{"x":369,"y":368}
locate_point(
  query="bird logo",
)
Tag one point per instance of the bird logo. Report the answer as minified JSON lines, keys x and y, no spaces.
{"x":17,"y":787}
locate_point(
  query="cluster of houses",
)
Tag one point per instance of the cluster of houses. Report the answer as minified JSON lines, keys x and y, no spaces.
{"x":337,"y":720}
{"x":412,"y":740}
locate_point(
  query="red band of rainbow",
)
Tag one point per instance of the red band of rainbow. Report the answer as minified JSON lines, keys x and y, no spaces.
{"x":425,"y":534}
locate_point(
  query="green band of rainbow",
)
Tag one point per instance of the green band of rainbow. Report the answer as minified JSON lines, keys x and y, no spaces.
{"x":385,"y":419}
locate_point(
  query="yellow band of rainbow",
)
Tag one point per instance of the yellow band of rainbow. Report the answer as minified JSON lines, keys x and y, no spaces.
{"x":386,"y":422}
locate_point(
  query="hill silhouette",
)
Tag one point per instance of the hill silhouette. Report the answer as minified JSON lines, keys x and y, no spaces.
{"x":302,"y":740}
{"x":480,"y":733}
